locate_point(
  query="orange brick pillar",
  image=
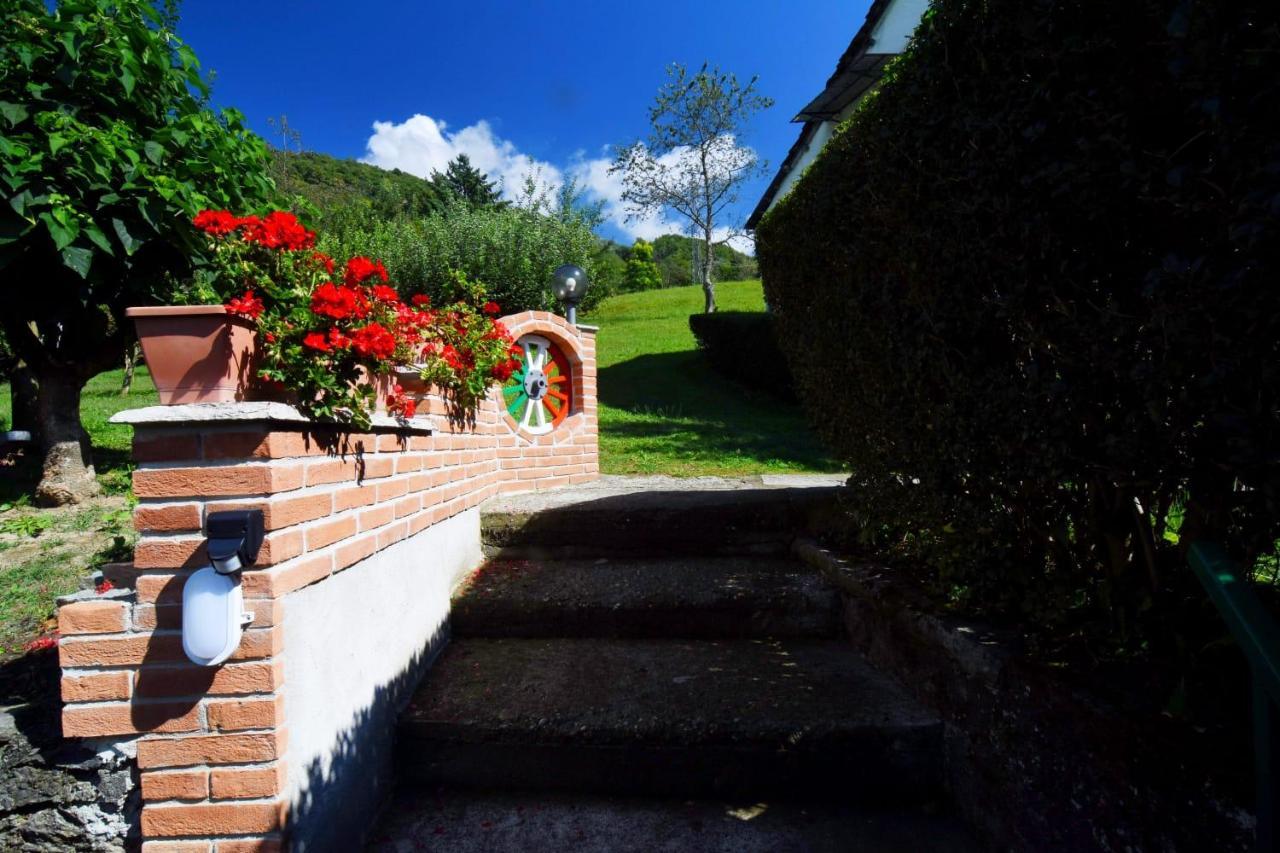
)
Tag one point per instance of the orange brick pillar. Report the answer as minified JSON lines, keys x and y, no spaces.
{"x":394,"y":508}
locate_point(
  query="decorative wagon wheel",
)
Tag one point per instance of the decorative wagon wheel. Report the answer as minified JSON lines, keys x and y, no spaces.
{"x":539,"y":394}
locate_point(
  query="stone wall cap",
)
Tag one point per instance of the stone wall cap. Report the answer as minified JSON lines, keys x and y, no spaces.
{"x":251,"y":412}
{"x":583,"y":327}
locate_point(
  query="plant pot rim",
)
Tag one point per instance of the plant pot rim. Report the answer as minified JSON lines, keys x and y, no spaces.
{"x":173,"y":310}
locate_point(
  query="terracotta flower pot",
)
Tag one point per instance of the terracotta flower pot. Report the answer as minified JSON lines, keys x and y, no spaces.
{"x":197,"y":353}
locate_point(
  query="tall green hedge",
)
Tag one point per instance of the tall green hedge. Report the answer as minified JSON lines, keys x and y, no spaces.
{"x":1029,"y":294}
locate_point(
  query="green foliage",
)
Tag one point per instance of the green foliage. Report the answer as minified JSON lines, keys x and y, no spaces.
{"x":674,"y":255}
{"x":642,"y":272}
{"x":741,"y":345}
{"x":26,"y":525}
{"x":468,"y":184}
{"x":108,"y":149}
{"x":331,"y":184}
{"x":511,"y":250}
{"x":1028,"y":293}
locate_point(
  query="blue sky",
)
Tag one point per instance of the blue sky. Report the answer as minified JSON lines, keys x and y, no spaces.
{"x":520,"y":86}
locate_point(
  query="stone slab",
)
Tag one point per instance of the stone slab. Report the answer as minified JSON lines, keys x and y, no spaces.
{"x":250,"y":412}
{"x":672,"y":718}
{"x":723,"y":597}
{"x":468,"y":822}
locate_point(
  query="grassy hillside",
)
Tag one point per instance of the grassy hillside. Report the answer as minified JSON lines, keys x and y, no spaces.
{"x":664,"y":411}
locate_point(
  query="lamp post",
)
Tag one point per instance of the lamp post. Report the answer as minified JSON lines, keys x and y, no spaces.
{"x":569,"y":284}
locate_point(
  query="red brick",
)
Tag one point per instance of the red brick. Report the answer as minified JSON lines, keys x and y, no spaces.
{"x":279,"y":546}
{"x":241,"y":714}
{"x":377,"y":516}
{"x":259,"y":445}
{"x":166,"y":518}
{"x":392,"y":489}
{"x":212,"y":819}
{"x":392,"y":442}
{"x":92,"y":617}
{"x":219,"y":481}
{"x":161,"y":447}
{"x":408,"y":506}
{"x":175,"y":785}
{"x":247,"y":783}
{"x":95,"y":687}
{"x":408,"y":463}
{"x":226,"y":680}
{"x":164,"y":553}
{"x":119,"y":651}
{"x":282,"y":512}
{"x":352,"y":469}
{"x":350,"y":553}
{"x":282,"y":580}
{"x":129,"y":718}
{"x":210,"y":749}
{"x":327,"y":532}
{"x":160,"y":589}
{"x":354,"y":496}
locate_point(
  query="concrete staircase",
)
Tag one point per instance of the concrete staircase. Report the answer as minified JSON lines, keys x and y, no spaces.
{"x":647,"y":669}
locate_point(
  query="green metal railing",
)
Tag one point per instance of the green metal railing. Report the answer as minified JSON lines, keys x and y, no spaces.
{"x":1258,"y":635}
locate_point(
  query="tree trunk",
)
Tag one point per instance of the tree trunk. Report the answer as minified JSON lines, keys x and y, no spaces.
{"x":131,"y":354}
{"x":708,"y":286}
{"x":68,"y":475}
{"x":23,"y":390}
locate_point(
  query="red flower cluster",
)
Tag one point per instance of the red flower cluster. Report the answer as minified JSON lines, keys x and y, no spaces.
{"x":39,"y":643}
{"x":373,"y":341}
{"x":216,"y":221}
{"x":400,"y":404}
{"x":338,"y":301}
{"x":360,"y":270}
{"x":104,"y":587}
{"x":249,"y":305}
{"x":277,"y":230}
{"x":492,"y":309}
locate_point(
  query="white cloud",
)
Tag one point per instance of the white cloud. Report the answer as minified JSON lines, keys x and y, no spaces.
{"x":421,"y":144}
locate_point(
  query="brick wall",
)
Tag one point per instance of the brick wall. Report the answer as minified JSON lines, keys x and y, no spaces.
{"x":213,"y":742}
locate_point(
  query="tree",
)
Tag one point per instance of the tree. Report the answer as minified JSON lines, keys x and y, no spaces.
{"x":468,"y":183}
{"x":692,"y":164}
{"x":108,"y":149}
{"x":642,"y":272}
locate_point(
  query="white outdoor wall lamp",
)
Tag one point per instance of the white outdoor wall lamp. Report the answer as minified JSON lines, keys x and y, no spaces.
{"x":213,"y":616}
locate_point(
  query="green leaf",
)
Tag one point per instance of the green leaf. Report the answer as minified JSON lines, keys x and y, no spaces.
{"x":56,"y":141}
{"x":20,"y":202}
{"x":154,"y":151}
{"x":127,"y":240}
{"x":13,"y":113}
{"x":78,"y":259}
{"x":95,"y":235}
{"x":62,"y":230}
{"x":69,"y":41}
{"x":127,"y":78}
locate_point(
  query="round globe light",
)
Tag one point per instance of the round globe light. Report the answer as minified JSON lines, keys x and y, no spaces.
{"x":569,"y":284}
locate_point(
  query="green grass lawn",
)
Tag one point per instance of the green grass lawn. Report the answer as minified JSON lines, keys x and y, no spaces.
{"x":663,"y":410}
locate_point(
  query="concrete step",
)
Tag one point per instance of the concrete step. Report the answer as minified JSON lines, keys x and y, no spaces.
{"x":470,"y":822}
{"x":749,"y":718}
{"x":651,"y":516}
{"x":716,"y":597}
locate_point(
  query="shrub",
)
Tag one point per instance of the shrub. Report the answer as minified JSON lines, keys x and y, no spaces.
{"x":741,"y":346}
{"x":510,"y":250}
{"x":1028,"y":293}
{"x":642,"y":272}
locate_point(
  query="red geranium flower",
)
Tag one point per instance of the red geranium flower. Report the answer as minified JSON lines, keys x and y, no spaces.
{"x":421,"y":300}
{"x":104,"y":587}
{"x":359,"y":269}
{"x":337,"y":340}
{"x":279,"y":230}
{"x":492,"y":309}
{"x":215,"y":221}
{"x":324,"y":261}
{"x":331,"y":300}
{"x":317,"y":341}
{"x":382,"y":293}
{"x":249,"y":305}
{"x":373,"y":341}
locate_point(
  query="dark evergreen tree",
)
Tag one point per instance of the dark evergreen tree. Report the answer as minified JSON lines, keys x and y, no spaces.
{"x":468,"y":183}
